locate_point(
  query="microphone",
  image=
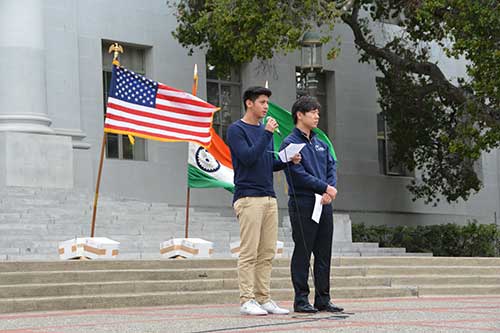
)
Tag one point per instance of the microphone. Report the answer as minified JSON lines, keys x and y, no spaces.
{"x":276,"y":130}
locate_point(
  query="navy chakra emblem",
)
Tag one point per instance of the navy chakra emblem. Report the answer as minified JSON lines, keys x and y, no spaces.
{"x":206,"y":161}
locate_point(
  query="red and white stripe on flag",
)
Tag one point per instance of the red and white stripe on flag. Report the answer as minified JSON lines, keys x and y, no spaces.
{"x":148,"y":109}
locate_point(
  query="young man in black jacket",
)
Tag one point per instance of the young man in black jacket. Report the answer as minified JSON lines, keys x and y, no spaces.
{"x":315,"y":176}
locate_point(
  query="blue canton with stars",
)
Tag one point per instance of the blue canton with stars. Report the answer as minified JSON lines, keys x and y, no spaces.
{"x":133,"y":88}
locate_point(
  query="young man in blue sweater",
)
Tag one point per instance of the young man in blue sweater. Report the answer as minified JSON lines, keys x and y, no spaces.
{"x":254,"y":202}
{"x":316,"y":174}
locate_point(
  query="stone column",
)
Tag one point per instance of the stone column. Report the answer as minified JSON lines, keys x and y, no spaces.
{"x":30,"y":155}
{"x":23,"y":101}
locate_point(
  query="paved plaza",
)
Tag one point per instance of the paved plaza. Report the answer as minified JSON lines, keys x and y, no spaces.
{"x":424,"y":314}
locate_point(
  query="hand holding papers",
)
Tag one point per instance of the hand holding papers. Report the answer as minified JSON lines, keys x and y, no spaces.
{"x":318,"y":207}
{"x":326,"y":199}
{"x":331,"y":191}
{"x":287,"y":154}
{"x":320,"y":200}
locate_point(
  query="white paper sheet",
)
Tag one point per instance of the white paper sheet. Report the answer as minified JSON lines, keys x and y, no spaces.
{"x":318,"y":207}
{"x":290,"y":150}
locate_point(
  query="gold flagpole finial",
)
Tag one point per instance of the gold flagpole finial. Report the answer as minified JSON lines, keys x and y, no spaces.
{"x":116,"y":49}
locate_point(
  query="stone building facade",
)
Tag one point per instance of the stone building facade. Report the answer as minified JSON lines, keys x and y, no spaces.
{"x":55,"y":70}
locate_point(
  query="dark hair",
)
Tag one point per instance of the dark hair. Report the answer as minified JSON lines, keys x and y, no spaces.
{"x":253,"y":93}
{"x":304,"y":104}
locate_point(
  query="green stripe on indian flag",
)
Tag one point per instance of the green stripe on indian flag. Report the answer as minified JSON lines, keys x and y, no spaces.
{"x":205,"y":171}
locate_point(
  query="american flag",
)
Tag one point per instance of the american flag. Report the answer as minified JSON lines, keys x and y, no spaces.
{"x":144,"y":108}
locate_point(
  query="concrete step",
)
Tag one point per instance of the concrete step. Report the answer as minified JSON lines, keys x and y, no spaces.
{"x":142,"y":286}
{"x":173,"y":298}
{"x":356,"y":245}
{"x":10,"y":278}
{"x":113,"y":275}
{"x":429,"y":290}
{"x":93,"y":265}
{"x":382,"y":253}
{"x":126,"y":239}
{"x":428,"y":270}
{"x":442,"y":280}
{"x":10,"y":250}
{"x":395,"y":251}
{"x":57,"y":285}
{"x":337,"y":254}
{"x":345,"y":262}
{"x":153,"y":221}
{"x":123,"y":300}
{"x":29,"y":257}
{"x":369,"y":292}
{"x":417,"y":261}
{"x":34,"y":221}
{"x":406,"y":254}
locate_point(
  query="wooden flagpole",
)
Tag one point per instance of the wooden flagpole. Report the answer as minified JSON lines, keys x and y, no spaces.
{"x":188,"y":193}
{"x":117,"y":49}
{"x":96,"y":196}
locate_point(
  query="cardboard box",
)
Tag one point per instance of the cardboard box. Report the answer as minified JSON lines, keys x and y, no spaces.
{"x":89,"y":247}
{"x":186,"y":248}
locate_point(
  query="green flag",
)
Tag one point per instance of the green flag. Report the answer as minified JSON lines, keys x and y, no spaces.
{"x":286,"y":125}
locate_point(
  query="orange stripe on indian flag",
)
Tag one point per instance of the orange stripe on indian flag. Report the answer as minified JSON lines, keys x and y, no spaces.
{"x":220,"y":150}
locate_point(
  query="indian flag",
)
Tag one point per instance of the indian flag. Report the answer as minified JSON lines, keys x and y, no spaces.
{"x":210,"y":167}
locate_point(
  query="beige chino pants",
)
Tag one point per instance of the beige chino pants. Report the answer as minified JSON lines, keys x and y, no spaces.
{"x":258,"y":218}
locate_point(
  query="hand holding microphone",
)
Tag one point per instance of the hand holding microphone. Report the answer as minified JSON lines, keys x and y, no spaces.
{"x":272,"y":125}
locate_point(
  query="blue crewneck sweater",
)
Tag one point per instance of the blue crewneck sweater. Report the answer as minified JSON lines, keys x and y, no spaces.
{"x":253,"y":160}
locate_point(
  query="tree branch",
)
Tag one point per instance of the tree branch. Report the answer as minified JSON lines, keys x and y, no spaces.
{"x":453,"y":93}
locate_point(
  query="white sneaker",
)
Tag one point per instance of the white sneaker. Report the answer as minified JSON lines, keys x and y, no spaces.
{"x":252,"y":308}
{"x":273,"y":308}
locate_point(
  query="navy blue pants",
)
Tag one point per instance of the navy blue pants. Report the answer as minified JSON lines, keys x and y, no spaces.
{"x":311,"y":237}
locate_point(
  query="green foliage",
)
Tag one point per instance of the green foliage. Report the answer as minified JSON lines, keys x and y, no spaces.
{"x":439,"y":127}
{"x":448,"y":240}
{"x":236,"y":31}
{"x":434,"y":138}
{"x":473,"y":27}
{"x":433,"y":131}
